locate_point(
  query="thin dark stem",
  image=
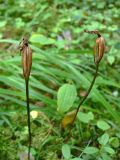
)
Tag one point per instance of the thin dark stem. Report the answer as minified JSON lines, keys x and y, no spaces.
{"x":84,"y":98}
{"x":28,"y":116}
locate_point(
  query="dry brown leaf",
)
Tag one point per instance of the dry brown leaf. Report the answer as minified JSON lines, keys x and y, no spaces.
{"x":68,"y":119}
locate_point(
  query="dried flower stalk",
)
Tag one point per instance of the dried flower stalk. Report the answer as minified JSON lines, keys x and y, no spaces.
{"x":99,"y":49}
{"x":26,"y":52}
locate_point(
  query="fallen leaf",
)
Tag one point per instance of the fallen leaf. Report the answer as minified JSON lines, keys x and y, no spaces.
{"x":68,"y":119}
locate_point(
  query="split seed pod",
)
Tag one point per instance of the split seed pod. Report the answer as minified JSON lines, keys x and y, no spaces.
{"x":26,"y":57}
{"x":99,"y":49}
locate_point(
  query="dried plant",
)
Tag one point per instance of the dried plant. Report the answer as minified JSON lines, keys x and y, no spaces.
{"x":26,"y":65}
{"x":99,"y":49}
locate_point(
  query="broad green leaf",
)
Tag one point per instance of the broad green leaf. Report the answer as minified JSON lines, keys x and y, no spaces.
{"x":109,"y":150}
{"x":40,"y":39}
{"x":103,"y":125}
{"x":114,"y":142}
{"x":103,"y":140}
{"x":91,"y":150}
{"x":65,"y":97}
{"x":85,"y":117}
{"x":66,"y":151}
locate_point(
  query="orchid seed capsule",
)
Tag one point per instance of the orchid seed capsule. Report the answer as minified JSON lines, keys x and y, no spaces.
{"x":26,"y":57}
{"x":99,"y":49}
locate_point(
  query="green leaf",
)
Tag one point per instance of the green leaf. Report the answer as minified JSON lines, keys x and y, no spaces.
{"x":38,"y":38}
{"x":111,"y":59}
{"x":85,"y":117}
{"x":103,"y":125}
{"x":105,"y":156}
{"x":65,"y":97}
{"x":114,"y":142}
{"x":103,"y":140}
{"x":66,"y":151}
{"x":77,"y":159}
{"x":91,"y":150}
{"x":109,"y":150}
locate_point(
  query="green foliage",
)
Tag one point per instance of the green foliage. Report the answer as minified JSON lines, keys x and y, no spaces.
{"x":62,"y":55}
{"x":91,"y":150}
{"x":66,"y":151}
{"x":103,"y":140}
{"x":85,"y":117}
{"x":65,"y":97}
{"x":114,"y":142}
{"x":103,"y":125}
{"x":42,"y":40}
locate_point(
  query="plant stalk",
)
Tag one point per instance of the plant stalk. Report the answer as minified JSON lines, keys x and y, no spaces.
{"x":28,"y":116}
{"x":84,"y":98}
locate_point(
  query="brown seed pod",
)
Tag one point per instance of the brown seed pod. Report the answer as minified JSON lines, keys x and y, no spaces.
{"x":26,"y":57}
{"x":99,"y":49}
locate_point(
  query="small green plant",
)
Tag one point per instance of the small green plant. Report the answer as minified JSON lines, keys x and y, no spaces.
{"x":106,"y":149}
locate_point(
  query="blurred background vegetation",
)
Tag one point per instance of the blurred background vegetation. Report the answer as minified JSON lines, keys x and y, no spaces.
{"x":62,"y":53}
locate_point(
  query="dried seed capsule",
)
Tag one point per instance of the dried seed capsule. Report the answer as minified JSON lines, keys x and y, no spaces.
{"x":99,"y":49}
{"x":26,"y":57}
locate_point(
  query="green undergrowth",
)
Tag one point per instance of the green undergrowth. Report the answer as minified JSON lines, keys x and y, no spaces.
{"x":62,"y":66}
{"x":48,"y":138}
